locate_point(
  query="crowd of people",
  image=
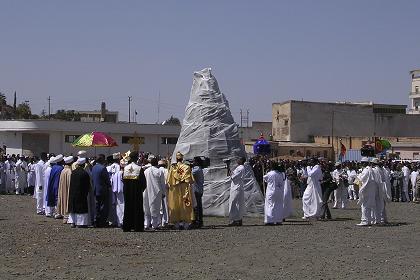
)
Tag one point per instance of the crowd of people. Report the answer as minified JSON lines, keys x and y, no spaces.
{"x":372,"y":182}
{"x":145,"y":192}
{"x":132,"y":191}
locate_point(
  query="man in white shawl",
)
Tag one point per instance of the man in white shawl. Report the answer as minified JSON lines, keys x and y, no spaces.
{"x":273,"y":207}
{"x":155,"y":189}
{"x":237,"y":195}
{"x":40,"y":184}
{"x":367,"y":193}
{"x":47,"y":171}
{"x":21,"y":175}
{"x":413,"y":178}
{"x":117,"y":180}
{"x":406,"y":181}
{"x":312,"y":197}
{"x":164,"y":210}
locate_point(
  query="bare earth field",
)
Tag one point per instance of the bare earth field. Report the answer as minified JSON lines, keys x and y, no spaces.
{"x":36,"y":247}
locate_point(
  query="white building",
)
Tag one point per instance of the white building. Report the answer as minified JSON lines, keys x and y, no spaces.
{"x":415,"y":92}
{"x":31,"y":137}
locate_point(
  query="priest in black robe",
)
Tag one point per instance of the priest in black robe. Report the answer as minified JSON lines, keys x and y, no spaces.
{"x":78,"y":196}
{"x":134,"y":185}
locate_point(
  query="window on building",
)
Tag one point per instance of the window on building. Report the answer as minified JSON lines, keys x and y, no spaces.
{"x":286,"y":122}
{"x":70,"y":138}
{"x":325,"y":154}
{"x":169,"y":140}
{"x":329,"y":140}
{"x":291,"y":152}
{"x":130,"y":140}
{"x":416,"y":89}
{"x":308,"y":153}
{"x":318,"y":154}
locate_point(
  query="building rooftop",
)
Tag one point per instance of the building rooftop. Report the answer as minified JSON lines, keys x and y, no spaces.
{"x":363,"y":103}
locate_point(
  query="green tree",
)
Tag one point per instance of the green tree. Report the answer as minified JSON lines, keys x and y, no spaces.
{"x":172,"y":121}
{"x":65,"y":115}
{"x":2,"y":99}
{"x":23,"y":111}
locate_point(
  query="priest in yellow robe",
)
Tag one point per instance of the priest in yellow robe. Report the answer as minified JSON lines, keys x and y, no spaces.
{"x":180,"y":201}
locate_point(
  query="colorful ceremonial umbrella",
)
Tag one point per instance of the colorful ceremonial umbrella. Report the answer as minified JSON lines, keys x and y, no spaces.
{"x":94,"y":139}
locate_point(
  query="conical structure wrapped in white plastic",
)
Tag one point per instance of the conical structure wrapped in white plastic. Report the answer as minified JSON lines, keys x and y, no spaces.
{"x":208,"y":129}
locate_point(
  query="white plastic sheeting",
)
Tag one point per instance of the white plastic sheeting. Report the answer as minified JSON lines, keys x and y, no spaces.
{"x":208,"y":129}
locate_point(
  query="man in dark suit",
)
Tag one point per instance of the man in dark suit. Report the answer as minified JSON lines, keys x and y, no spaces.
{"x":102,"y":188}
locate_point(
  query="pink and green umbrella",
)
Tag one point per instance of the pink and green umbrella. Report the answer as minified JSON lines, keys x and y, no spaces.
{"x":94,"y":139}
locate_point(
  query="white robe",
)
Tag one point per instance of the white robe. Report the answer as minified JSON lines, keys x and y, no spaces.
{"x":21,"y":176}
{"x":413,"y":178}
{"x":47,"y":172}
{"x":406,"y":179}
{"x":273,"y":208}
{"x":312,"y":197}
{"x":155,"y":189}
{"x":237,"y":196}
{"x":10,"y":175}
{"x":287,"y":200}
{"x":119,"y":196}
{"x":39,"y":183}
{"x":164,"y":210}
{"x":367,"y":195}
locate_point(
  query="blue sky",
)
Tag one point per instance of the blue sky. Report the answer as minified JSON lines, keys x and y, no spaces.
{"x":83,"y":52}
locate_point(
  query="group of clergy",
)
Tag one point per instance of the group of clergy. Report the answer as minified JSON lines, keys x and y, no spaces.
{"x":120,"y":191}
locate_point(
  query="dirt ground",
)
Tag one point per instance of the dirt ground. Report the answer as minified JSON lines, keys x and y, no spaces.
{"x":36,"y":247}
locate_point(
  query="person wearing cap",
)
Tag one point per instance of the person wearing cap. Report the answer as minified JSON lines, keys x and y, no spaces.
{"x":165,"y":218}
{"x":155,"y":181}
{"x":102,"y":189}
{"x":9,"y":167}
{"x":80,"y":154}
{"x":78,"y":208}
{"x":39,"y":183}
{"x":47,"y":172}
{"x":406,"y":181}
{"x":312,"y":197}
{"x":180,"y":201}
{"x":351,"y":177}
{"x":63,"y":190}
{"x":113,"y":169}
{"x":53,"y":183}
{"x":134,"y":185}
{"x":119,"y":194}
{"x":367,"y":193}
{"x":237,"y":194}
{"x":21,"y":181}
{"x":340,"y":193}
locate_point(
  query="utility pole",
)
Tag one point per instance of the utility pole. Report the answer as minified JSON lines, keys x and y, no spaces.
{"x":49,"y":107}
{"x":129,"y":108}
{"x":241,"y":117}
{"x":158,"y":108}
{"x":247,"y":118}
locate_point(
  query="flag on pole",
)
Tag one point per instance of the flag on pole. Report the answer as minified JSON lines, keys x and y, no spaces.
{"x":343,"y":151}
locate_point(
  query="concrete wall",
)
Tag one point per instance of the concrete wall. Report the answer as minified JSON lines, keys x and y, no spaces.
{"x":309,"y":119}
{"x":281,"y":121}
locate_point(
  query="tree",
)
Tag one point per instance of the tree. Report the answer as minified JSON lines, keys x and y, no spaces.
{"x":2,"y":99}
{"x":64,"y":115}
{"x":23,"y":111}
{"x":172,"y":121}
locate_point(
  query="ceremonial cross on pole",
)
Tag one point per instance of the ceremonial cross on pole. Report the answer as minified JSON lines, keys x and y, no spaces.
{"x":135,"y":142}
